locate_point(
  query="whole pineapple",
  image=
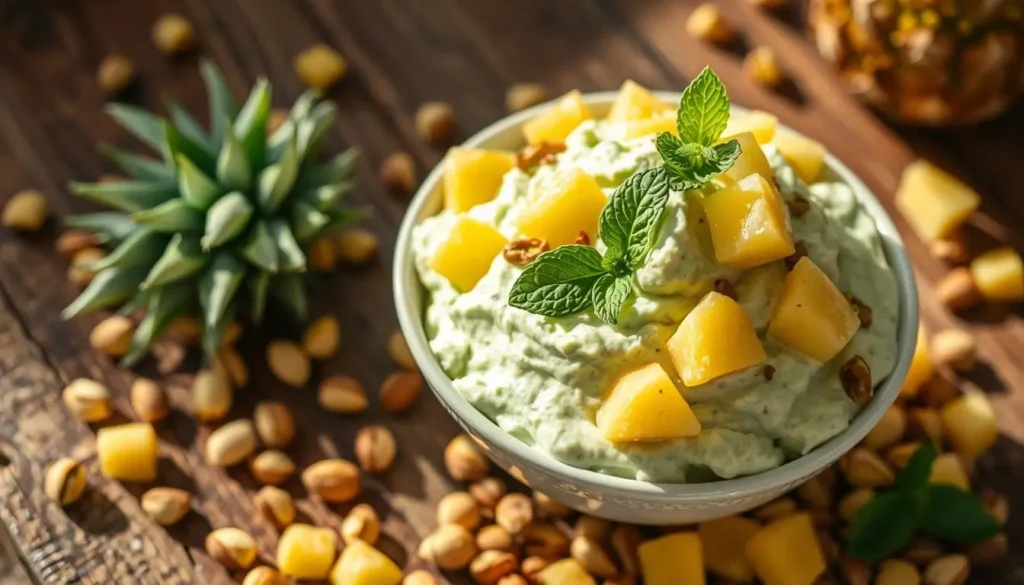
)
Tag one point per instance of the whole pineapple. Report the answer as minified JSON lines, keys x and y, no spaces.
{"x":224,"y":221}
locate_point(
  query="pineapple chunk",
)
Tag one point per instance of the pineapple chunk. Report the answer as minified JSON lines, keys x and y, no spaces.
{"x":787,"y":552}
{"x":701,"y":352}
{"x":566,"y":204}
{"x":921,"y":367}
{"x":306,"y":552}
{"x":806,"y":156}
{"x":565,"y":572}
{"x":361,"y":564}
{"x":948,"y":468}
{"x":676,"y":559}
{"x":128,"y":452}
{"x":466,"y":256}
{"x":749,"y":224}
{"x":654,"y":125}
{"x":812,"y":316}
{"x":761,"y":124}
{"x":644,"y":405}
{"x":932,"y":201}
{"x":999,"y":275}
{"x":752,"y":160}
{"x":970,"y":424}
{"x":557,"y":122}
{"x":725,"y":542}
{"x":635,"y":102}
{"x":473,"y":176}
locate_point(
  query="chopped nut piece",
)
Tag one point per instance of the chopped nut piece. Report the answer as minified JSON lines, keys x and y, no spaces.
{"x":543,"y":539}
{"x":583,"y":239}
{"x":818,"y":493}
{"x":768,"y":372}
{"x":494,"y":537}
{"x":276,"y":505}
{"x":72,"y":242}
{"x":762,"y":66}
{"x":356,"y":246}
{"x":798,"y":205}
{"x":398,"y":349}
{"x":322,"y":337}
{"x":113,"y":335}
{"x":399,"y":391}
{"x":863,"y":468}
{"x":458,"y":508}
{"x":452,"y":547}
{"x":524,"y":251}
{"x":334,"y":480}
{"x":149,"y":401}
{"x":951,"y":249}
{"x":491,"y":565}
{"x":514,"y":512}
{"x":211,"y":395}
{"x":724,"y":287}
{"x":421,"y":577}
{"x":864,"y":312}
{"x":539,"y":153}
{"x":955,"y":348}
{"x":852,"y":502}
{"x":235,"y":366}
{"x":342,"y":394}
{"x":524,"y":95}
{"x":88,"y":400}
{"x":889,"y":430}
{"x":231,"y":444}
{"x":792,"y":259}
{"x":231,"y":547}
{"x":707,"y":24}
{"x":166,"y":505}
{"x":375,"y":448}
{"x":25,"y":210}
{"x":957,"y":290}
{"x":625,"y":541}
{"x":116,"y":72}
{"x":593,"y":556}
{"x":435,"y":122}
{"x":488,"y":492}
{"x":272,"y":467}
{"x":173,"y":33}
{"x":591,"y":527}
{"x":924,"y":423}
{"x":464,"y":461}
{"x":948,"y":570}
{"x":855,"y":376}
{"x":320,"y":67}
{"x":549,"y":507}
{"x":897,"y":572}
{"x":288,"y":362}
{"x":362,"y":523}
{"x":988,"y":553}
{"x":64,"y":481}
{"x":398,"y":172}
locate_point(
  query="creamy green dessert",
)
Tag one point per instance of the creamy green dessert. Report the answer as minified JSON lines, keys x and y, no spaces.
{"x":542,"y":379}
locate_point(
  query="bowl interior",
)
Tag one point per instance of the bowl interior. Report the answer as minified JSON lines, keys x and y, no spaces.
{"x":410,"y":300}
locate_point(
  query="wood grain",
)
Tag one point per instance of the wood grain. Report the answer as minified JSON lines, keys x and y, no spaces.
{"x":401,"y":53}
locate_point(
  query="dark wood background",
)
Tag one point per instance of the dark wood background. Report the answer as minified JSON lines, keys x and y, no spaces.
{"x":401,"y":53}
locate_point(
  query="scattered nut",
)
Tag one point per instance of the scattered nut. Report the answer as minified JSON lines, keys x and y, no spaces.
{"x":899,"y":455}
{"x":231,"y":444}
{"x":362,"y":523}
{"x":452,"y":547}
{"x":173,"y":33}
{"x":818,"y":493}
{"x":897,"y":572}
{"x":491,"y":565}
{"x":272,"y":467}
{"x":375,"y":448}
{"x":863,"y":468}
{"x":398,"y":173}
{"x":234,"y":365}
{"x":864,"y":312}
{"x":955,"y":348}
{"x":79,"y":273}
{"x":889,"y":430}
{"x":264,"y":576}
{"x":537,"y":154}
{"x":398,"y":349}
{"x":185,"y":330}
{"x":276,"y":505}
{"x":72,"y":242}
{"x":543,"y":539}
{"x":166,"y":505}
{"x":852,"y":502}
{"x":342,"y":394}
{"x":626,"y":540}
{"x":64,"y":481}
{"x":334,"y":480}
{"x":231,"y":547}
{"x":524,"y":95}
{"x":464,"y":461}
{"x":288,"y":362}
{"x":420,"y":577}
{"x":996,"y":504}
{"x":768,"y":4}
{"x":356,"y":246}
{"x":524,"y":251}
{"x":211,"y":395}
{"x":922,"y":551}
{"x":724,"y":287}
{"x":924,"y":423}
{"x":322,"y":337}
{"x":948,"y":570}
{"x":494,"y":537}
{"x":488,"y":492}
{"x":957,"y":290}
{"x":149,"y":401}
{"x":514,"y":512}
{"x":768,"y":372}
{"x":532,"y":566}
{"x":115,"y":73}
{"x":323,"y":255}
{"x":435,"y":122}
{"x":592,"y":555}
{"x":548,"y":507}
{"x":707,"y":24}
{"x":776,"y":509}
{"x":458,"y":508}
{"x":952,"y":249}
{"x":593,"y":528}
{"x":762,"y":66}
{"x":25,"y":210}
{"x":320,"y":67}
{"x":854,"y":571}
{"x":798,"y":205}
{"x":88,"y":400}
{"x":988,"y":553}
{"x":399,"y":391}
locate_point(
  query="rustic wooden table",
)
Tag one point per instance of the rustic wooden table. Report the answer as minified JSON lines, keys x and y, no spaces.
{"x":401,"y":52}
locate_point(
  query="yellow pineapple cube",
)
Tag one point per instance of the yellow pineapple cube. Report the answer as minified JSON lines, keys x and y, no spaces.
{"x":787,"y":552}
{"x":466,"y":256}
{"x":128,"y":452}
{"x":306,"y":552}
{"x":748,"y":223}
{"x":948,"y":468}
{"x":644,"y":405}
{"x":565,"y":572}
{"x":699,"y":349}
{"x":921,"y":367}
{"x":806,"y":156}
{"x":564,"y":205}
{"x":473,"y":176}
{"x":970,"y":424}
{"x":751,"y":160}
{"x":725,"y":543}
{"x":932,"y":201}
{"x":557,"y":122}
{"x":812,"y":316}
{"x":999,"y":275}
{"x":361,"y":564}
{"x":650,"y":126}
{"x":761,"y":124}
{"x":675,"y":559}
{"x":636,"y":102}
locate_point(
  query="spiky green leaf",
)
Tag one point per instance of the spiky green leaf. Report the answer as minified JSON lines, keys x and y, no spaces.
{"x":307,"y":221}
{"x":327,"y":197}
{"x":189,"y":127}
{"x":299,"y":111}
{"x":276,"y":181}
{"x":290,"y":255}
{"x":182,"y":258}
{"x":136,"y":303}
{"x":196,"y":187}
{"x":173,"y":216}
{"x":311,"y":131}
{"x":223,"y":105}
{"x":164,"y":305}
{"x":108,"y":288}
{"x":141,"y":248}
{"x":178,"y":145}
{"x":342,"y":218}
{"x":333,"y":171}
{"x":144,"y":125}
{"x":290,"y":292}
{"x":140,"y":167}
{"x":109,"y":226}
{"x":218,"y":285}
{"x":130,"y":196}
{"x":226,"y":219}
{"x":212,"y":335}
{"x":251,"y":123}
{"x":233,"y":168}
{"x":259,"y":284}
{"x":260,"y":248}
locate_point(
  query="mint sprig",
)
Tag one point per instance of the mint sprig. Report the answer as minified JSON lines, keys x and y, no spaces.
{"x":886,"y":523}
{"x":571,"y":279}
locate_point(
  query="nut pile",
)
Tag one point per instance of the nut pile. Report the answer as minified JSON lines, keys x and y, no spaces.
{"x":761,"y":65}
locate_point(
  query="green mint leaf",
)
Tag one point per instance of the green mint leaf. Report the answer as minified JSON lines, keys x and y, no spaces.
{"x":884,"y":525}
{"x":676,"y":158}
{"x":703,"y":110}
{"x":693,"y":165}
{"x":629,"y":222}
{"x":914,"y":476}
{"x":609,"y":295}
{"x":559,"y":282}
{"x":725,"y":155}
{"x":956,"y":515}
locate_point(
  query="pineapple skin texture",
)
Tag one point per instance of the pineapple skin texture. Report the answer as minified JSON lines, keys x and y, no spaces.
{"x":473,"y":176}
{"x":932,"y":201}
{"x":570,"y":203}
{"x":676,"y":559}
{"x":466,"y":256}
{"x":644,"y":405}
{"x":749,"y":223}
{"x":361,"y":564}
{"x":724,"y":544}
{"x":557,"y":122}
{"x":128,"y":452}
{"x":306,"y":552}
{"x":787,"y":552}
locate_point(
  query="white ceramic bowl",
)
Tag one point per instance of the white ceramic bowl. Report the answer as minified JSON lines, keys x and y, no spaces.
{"x":616,"y":498}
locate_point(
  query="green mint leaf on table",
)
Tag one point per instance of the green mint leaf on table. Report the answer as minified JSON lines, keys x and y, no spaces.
{"x":559,"y":282}
{"x":956,"y":515}
{"x":630,"y":220}
{"x":610,"y":294}
{"x":884,"y":525}
{"x":703,"y":110}
{"x":915,"y":474}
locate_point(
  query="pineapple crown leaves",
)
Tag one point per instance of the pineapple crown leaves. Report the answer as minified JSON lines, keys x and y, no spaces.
{"x":222,"y":220}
